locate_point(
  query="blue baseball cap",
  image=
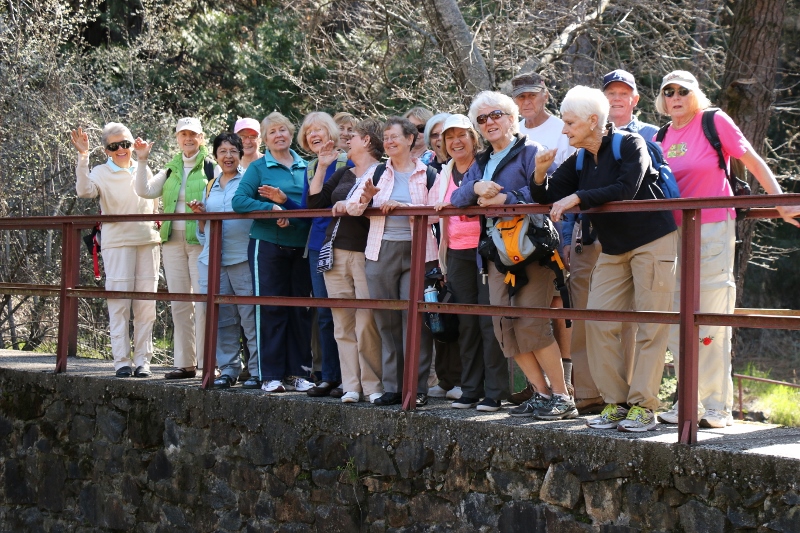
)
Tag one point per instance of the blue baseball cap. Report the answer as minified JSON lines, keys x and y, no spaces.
{"x":619,"y":75}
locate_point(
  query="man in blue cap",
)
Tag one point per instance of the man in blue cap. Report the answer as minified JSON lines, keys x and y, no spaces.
{"x":620,"y":89}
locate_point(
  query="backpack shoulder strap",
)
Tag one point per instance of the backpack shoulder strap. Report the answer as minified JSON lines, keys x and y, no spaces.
{"x":379,"y":170}
{"x":662,"y":132}
{"x":209,"y":185}
{"x":710,"y":131}
{"x":431,"y":174}
{"x":579,"y":159}
{"x":208,"y":168}
{"x":616,"y":146}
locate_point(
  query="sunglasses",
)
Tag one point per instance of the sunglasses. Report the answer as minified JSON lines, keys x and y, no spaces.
{"x":669,"y":92}
{"x":421,"y":128}
{"x":113,"y":147}
{"x":494,"y":115}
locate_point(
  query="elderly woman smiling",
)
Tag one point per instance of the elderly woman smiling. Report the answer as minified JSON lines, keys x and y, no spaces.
{"x":635,"y":271}
{"x":500,"y":176}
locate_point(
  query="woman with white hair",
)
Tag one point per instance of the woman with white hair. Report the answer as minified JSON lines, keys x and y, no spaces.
{"x":699,"y":173}
{"x":636,"y":269}
{"x":433,"y":139}
{"x":500,"y":176}
{"x":182,"y":181}
{"x":130,"y":249}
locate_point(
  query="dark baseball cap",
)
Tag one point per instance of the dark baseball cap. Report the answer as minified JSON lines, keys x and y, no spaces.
{"x":527,"y":83}
{"x":619,"y":75}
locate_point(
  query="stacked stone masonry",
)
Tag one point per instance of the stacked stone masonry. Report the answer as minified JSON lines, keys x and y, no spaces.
{"x":81,"y":454}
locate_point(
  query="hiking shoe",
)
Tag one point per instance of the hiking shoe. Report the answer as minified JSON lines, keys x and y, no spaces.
{"x":437,"y":391}
{"x":638,"y":420}
{"x":453,"y":394}
{"x":489,"y":405}
{"x":275,"y":385}
{"x":465,"y":403}
{"x":610,"y":418}
{"x":518,"y":398}
{"x":422,"y":399}
{"x":671,"y":416}
{"x":351,"y":397}
{"x":388,"y":398}
{"x":714,"y":418}
{"x":123,"y":372}
{"x":299,"y":384}
{"x":560,"y":407}
{"x":529,"y":407}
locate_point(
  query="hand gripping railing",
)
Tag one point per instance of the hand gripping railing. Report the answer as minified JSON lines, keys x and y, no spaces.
{"x":688,"y":316}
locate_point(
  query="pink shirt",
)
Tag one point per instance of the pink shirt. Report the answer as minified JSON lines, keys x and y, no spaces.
{"x":695,"y":163}
{"x":463,"y":232}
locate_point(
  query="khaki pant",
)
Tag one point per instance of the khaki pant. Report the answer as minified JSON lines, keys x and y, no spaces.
{"x":354,"y":329}
{"x":188,"y":318}
{"x":640,"y":280}
{"x":717,"y":295}
{"x":131,"y":268}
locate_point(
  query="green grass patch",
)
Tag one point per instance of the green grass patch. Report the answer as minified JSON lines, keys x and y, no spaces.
{"x":779,"y":403}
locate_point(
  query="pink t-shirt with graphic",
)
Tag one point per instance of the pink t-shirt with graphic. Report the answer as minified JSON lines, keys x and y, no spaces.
{"x":695,"y":163}
{"x":463,"y":233}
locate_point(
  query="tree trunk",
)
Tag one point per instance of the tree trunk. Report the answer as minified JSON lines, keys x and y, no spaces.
{"x":459,"y":47}
{"x":747,"y":91}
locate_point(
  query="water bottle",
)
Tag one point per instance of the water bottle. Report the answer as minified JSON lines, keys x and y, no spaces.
{"x":434,"y":320}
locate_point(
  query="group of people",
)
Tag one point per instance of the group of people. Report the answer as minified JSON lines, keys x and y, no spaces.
{"x":508,"y":150}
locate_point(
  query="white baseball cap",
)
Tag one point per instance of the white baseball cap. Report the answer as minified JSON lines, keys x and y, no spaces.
{"x":189,"y":123}
{"x":456,"y":121}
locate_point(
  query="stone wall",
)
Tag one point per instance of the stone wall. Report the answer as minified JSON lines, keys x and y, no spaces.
{"x":86,"y":454}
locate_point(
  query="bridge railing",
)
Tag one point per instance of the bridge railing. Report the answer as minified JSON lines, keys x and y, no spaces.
{"x":687,"y":316}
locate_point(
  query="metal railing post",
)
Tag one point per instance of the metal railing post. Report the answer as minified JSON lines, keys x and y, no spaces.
{"x":212,"y":307}
{"x":415,"y":318}
{"x":689,"y":329}
{"x":68,"y":306}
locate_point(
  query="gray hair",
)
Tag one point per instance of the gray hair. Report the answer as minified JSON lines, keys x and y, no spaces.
{"x":115,"y":128}
{"x":432,"y":122}
{"x":497,"y":101}
{"x":420,"y":113}
{"x":585,"y":102}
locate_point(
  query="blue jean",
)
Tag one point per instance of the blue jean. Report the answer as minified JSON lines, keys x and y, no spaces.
{"x":284,"y":338}
{"x":331,"y":371}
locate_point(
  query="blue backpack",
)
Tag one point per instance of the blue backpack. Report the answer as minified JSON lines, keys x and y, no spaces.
{"x":666,"y":179}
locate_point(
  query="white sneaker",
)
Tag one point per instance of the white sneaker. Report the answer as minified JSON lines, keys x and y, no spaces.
{"x":299,"y":384}
{"x":437,"y":392}
{"x":275,"y":385}
{"x":453,"y":394}
{"x":374,"y":396}
{"x":351,"y":397}
{"x":716,"y":419}
{"x":671,"y":416}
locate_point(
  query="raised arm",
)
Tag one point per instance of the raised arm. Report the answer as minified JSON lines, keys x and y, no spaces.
{"x":83,"y":185}
{"x":147,"y":185}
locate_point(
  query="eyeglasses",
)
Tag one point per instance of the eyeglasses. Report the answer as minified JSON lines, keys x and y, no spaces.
{"x":421,"y":128}
{"x":494,"y":115}
{"x":113,"y":147}
{"x":226,"y":153}
{"x":669,"y":92}
{"x":248,"y":137}
{"x":434,"y":136}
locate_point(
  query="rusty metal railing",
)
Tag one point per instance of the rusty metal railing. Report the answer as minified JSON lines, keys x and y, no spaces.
{"x":688,"y":316}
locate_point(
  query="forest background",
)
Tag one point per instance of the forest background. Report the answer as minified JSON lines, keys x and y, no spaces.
{"x":147,"y":63}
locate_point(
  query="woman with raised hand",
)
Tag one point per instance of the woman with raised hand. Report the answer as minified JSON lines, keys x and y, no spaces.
{"x":235,"y":277}
{"x":500,"y":176}
{"x":277,"y":263}
{"x":484,"y":371}
{"x":356,"y":335}
{"x":698,"y":173}
{"x":404,"y":182}
{"x":182,"y":181}
{"x":130,"y":249}
{"x":636,"y":269}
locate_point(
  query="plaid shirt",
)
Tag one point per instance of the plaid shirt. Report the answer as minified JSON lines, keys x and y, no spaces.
{"x":420,"y":195}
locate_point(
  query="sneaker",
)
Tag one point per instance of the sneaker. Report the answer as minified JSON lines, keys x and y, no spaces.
{"x":437,"y":392}
{"x":488,"y":405}
{"x":351,"y":397}
{"x":610,"y":418}
{"x":559,"y":408}
{"x":528,"y":407}
{"x":671,"y":416}
{"x":275,"y":385}
{"x":518,"y":398}
{"x":422,"y":399}
{"x":374,"y":396}
{"x":452,"y":394}
{"x":638,"y":420}
{"x":299,"y":384}
{"x":714,"y":418}
{"x":465,"y":403}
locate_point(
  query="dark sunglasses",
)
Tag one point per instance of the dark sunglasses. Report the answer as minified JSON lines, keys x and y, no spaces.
{"x":669,"y":92}
{"x":494,"y":115}
{"x":421,"y":128}
{"x":113,"y":147}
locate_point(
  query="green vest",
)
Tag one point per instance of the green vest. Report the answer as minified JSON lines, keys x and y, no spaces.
{"x":195,"y":185}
